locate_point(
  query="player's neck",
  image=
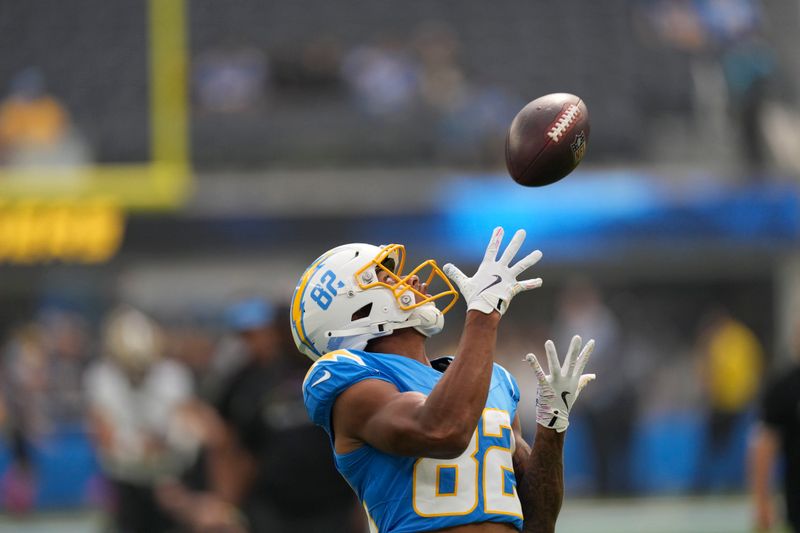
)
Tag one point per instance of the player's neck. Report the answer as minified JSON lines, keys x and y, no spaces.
{"x":406,"y":342}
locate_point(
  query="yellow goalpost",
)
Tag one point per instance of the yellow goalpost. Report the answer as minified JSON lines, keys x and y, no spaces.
{"x":159,"y":184}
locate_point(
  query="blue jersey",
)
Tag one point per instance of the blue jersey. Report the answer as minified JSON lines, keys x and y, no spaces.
{"x":412,"y":494}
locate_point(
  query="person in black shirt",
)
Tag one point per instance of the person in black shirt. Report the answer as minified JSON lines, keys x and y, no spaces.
{"x":778,"y":435}
{"x":274,"y":463}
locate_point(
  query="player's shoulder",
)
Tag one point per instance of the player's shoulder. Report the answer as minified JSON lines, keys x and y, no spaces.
{"x":332,"y":374}
{"x":342,"y":363}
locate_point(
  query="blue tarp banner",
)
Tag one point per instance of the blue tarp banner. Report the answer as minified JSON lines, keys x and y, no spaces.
{"x":621,"y":209}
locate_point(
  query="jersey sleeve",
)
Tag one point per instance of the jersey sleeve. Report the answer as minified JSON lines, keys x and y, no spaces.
{"x":330,"y":376}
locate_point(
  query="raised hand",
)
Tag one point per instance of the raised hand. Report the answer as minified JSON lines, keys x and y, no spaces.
{"x":558,"y":391}
{"x":495,"y":283}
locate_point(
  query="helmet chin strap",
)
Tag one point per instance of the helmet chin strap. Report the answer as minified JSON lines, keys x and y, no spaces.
{"x":429,"y":320}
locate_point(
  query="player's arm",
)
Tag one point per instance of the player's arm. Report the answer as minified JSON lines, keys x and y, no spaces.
{"x":540,"y":470}
{"x":761,"y":461}
{"x":540,"y":477}
{"x":409,"y":423}
{"x":522,"y":450}
{"x":441,"y":424}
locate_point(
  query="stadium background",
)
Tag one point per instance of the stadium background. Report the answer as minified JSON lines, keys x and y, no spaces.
{"x":207,"y":150}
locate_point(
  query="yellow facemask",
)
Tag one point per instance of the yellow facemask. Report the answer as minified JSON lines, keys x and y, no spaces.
{"x":390,"y":261}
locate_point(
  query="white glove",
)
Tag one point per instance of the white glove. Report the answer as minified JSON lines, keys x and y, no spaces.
{"x":495,"y":283}
{"x":558,"y":391}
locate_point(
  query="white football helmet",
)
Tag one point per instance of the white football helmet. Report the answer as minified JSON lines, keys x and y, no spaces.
{"x":358,"y":292}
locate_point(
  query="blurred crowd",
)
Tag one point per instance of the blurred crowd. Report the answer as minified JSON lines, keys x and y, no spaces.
{"x":674,"y":403}
{"x":200,"y":426}
{"x":194,"y":429}
{"x":692,"y":81}
{"x":196,"y":424}
{"x":733,"y":71}
{"x":395,"y":83}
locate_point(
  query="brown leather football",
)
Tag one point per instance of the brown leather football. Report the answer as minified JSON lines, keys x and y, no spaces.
{"x":547,"y":139}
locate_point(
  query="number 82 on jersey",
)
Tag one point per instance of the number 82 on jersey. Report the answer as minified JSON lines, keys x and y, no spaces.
{"x":451,"y":487}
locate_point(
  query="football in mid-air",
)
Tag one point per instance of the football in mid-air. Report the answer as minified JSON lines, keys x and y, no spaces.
{"x":547,"y":139}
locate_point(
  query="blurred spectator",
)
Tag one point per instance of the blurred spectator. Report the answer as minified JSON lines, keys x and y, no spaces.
{"x":610,"y":409}
{"x":676,"y":23}
{"x":231,"y":81}
{"x":264,"y":456}
{"x":776,"y":441}
{"x":384,"y":79}
{"x":194,"y":344}
{"x":313,"y":70}
{"x":67,"y":345}
{"x":26,"y":375}
{"x":42,"y":367}
{"x":24,"y":387}
{"x":134,"y":397}
{"x":34,"y":126}
{"x":731,"y":360}
{"x":731,"y":65}
{"x":748,"y":64}
{"x":443,"y":84}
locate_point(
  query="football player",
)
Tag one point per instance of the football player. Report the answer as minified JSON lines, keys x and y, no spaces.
{"x":431,"y":445}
